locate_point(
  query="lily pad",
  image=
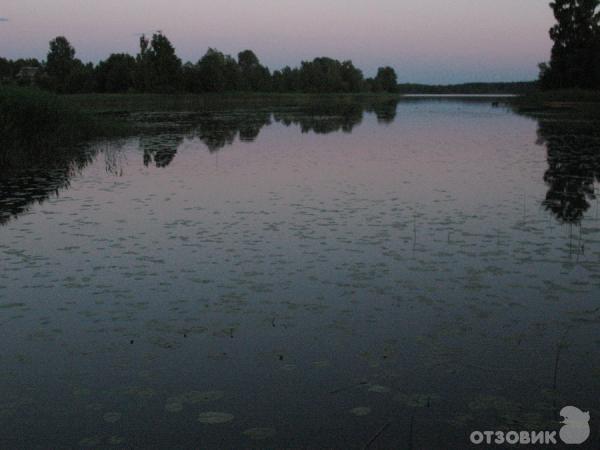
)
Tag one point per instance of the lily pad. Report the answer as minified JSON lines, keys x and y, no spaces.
{"x":116,"y":440}
{"x":199,"y":397}
{"x":112,"y":417}
{"x":379,"y":389}
{"x":361,"y":411}
{"x":260,"y":433}
{"x":90,"y":442}
{"x":174,"y":407}
{"x":212,"y":417}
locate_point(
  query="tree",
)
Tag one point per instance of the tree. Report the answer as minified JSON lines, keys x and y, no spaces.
{"x":254,"y":76}
{"x":159,"y":68}
{"x":60,"y":64}
{"x":352,"y":78}
{"x":385,"y":80}
{"x":5,"y":70}
{"x":116,"y":74}
{"x":576,"y":37}
{"x":82,"y":78}
{"x":218,"y":72}
{"x":321,"y":75}
{"x":190,"y":75}
{"x":329,"y":75}
{"x":286,"y":80}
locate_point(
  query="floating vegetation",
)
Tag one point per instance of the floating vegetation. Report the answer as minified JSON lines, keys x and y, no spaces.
{"x":90,"y":442}
{"x":321,"y":364}
{"x":379,"y":389}
{"x":116,"y":440}
{"x":416,"y":400}
{"x":201,"y":396}
{"x":212,"y":417}
{"x":361,"y":411}
{"x":11,"y":305}
{"x":81,"y":392}
{"x":260,"y":433}
{"x":174,"y":406}
{"x":112,"y":417}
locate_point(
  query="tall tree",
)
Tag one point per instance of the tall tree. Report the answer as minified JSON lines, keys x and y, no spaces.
{"x":5,"y":69}
{"x":116,"y":74}
{"x":159,"y":68}
{"x":576,"y":37}
{"x":218,"y":72}
{"x":60,"y":64}
{"x":254,"y":76}
{"x":386,"y":80}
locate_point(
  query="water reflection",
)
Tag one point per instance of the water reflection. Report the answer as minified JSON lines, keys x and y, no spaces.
{"x":573,"y":154}
{"x":220,"y":129}
{"x":573,"y":149}
{"x":323,"y":119}
{"x":160,"y":136}
{"x":22,"y":187}
{"x":160,"y":149}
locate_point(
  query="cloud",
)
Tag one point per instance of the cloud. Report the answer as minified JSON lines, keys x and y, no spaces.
{"x":3,"y":19}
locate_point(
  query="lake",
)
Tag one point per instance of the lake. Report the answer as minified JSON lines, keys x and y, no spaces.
{"x":355,"y":275}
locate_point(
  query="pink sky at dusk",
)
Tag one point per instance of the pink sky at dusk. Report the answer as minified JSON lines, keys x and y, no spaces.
{"x":430,"y":41}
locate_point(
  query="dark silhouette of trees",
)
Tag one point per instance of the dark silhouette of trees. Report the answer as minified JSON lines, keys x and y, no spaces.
{"x":63,"y":70}
{"x":286,"y":80}
{"x":60,"y":61}
{"x":386,"y":80}
{"x":575,"y":60}
{"x":116,"y":74}
{"x":254,"y":76}
{"x":159,"y":68}
{"x":218,"y":72}
{"x":329,"y":75}
{"x":5,"y":69}
{"x":190,"y":78}
{"x":523,"y":87}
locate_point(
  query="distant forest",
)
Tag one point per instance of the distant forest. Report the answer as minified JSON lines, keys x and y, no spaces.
{"x":158,"y":69}
{"x":521,"y":87}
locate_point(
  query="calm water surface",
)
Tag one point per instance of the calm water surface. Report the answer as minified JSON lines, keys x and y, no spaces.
{"x":391,"y":276}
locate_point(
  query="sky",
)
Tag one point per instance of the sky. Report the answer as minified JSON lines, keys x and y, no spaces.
{"x":426,"y":41}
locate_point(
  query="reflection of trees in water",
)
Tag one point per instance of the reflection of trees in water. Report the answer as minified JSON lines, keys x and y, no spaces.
{"x":323,"y":119}
{"x":30,"y":180}
{"x":220,"y":130}
{"x":160,"y":149}
{"x":34,"y":182}
{"x":385,"y":111}
{"x":573,"y":153}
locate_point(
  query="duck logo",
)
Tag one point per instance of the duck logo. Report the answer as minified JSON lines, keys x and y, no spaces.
{"x":576,"y":428}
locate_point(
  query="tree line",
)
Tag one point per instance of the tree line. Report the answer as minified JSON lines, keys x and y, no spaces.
{"x":575,"y":57}
{"x":158,"y":69}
